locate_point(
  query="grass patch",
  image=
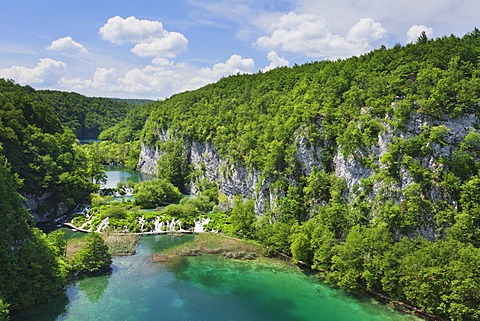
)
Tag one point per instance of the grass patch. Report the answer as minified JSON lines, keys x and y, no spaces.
{"x":118,"y":245}
{"x":214,"y":243}
{"x":121,"y":244}
{"x":73,"y":246}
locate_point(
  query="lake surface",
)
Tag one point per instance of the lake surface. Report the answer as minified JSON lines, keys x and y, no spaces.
{"x":116,"y":174}
{"x":206,"y":287}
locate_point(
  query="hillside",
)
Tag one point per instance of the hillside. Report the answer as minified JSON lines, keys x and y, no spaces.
{"x":54,"y":173}
{"x":85,"y":116}
{"x":373,"y":160}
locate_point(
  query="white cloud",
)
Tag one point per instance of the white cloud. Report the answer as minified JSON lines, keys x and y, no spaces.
{"x":172,"y":44}
{"x":310,"y":35}
{"x":67,"y":44}
{"x":275,"y":61}
{"x":151,"y":39}
{"x":162,"y":78}
{"x":365,"y":31}
{"x":235,"y":64}
{"x":416,"y":30}
{"x":39,"y":74}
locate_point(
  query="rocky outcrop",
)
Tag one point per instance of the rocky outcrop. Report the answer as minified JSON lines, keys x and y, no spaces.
{"x":148,"y":160}
{"x":36,"y":205}
{"x":235,"y":178}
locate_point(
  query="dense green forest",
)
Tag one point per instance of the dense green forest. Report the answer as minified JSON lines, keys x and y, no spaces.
{"x":42,"y":148}
{"x":409,"y":228}
{"x":39,"y":159}
{"x":85,"y":116}
{"x":33,"y":266}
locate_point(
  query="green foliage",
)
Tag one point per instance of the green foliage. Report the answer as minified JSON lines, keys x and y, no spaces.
{"x":111,"y":153}
{"x":180,"y":210}
{"x":58,"y":242}
{"x":172,"y":164}
{"x":356,"y":261}
{"x":41,"y":151}
{"x":93,"y":257}
{"x":31,"y":271}
{"x":85,"y":116}
{"x":4,"y":315}
{"x":129,"y":128}
{"x":467,"y":222}
{"x":150,"y":194}
{"x":202,"y":203}
{"x":273,"y":236}
{"x":242,"y":217}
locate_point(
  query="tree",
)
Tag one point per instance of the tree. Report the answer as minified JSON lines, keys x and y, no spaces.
{"x":243,"y":216}
{"x":356,"y":259}
{"x":422,"y":39}
{"x":150,"y":194}
{"x":93,"y":257}
{"x":172,"y":164}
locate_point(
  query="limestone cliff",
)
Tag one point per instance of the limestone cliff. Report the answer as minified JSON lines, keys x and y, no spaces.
{"x":235,"y":178}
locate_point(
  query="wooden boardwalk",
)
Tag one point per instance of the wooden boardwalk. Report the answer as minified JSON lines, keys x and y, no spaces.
{"x":70,"y":225}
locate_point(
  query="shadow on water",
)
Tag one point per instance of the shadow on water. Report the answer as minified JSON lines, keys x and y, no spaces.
{"x":93,"y":288}
{"x":45,"y":312}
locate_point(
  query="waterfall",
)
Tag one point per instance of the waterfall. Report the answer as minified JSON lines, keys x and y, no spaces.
{"x":141,"y":222}
{"x":103,"y":225}
{"x":200,"y":225}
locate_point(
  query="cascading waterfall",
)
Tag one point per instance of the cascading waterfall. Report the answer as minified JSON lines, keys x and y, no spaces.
{"x":200,"y":225}
{"x":103,"y":225}
{"x":141,"y":222}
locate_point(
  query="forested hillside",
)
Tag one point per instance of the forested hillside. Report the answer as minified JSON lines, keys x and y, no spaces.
{"x":54,"y":173}
{"x":44,"y":172}
{"x":365,"y":169}
{"x":30,"y":270}
{"x":85,"y":116}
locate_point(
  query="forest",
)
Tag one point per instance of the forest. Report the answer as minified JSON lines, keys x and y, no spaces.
{"x":40,"y":159}
{"x":406,"y":118}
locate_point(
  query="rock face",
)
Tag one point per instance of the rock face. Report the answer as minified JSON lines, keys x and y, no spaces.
{"x":35,"y":204}
{"x":148,"y":160}
{"x":235,"y":178}
{"x":232,"y":179}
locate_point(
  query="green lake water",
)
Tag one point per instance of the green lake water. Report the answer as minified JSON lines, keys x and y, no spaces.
{"x":117,"y":174}
{"x":206,"y":287}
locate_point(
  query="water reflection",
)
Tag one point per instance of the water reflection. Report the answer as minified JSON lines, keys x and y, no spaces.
{"x":116,"y":174}
{"x":94,"y":287}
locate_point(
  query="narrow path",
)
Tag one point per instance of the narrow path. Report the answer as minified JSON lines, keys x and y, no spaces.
{"x":70,"y":225}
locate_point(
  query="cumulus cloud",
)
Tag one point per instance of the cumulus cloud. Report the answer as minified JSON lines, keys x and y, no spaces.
{"x":365,"y":31}
{"x":310,"y":35}
{"x":162,"y":78}
{"x":149,"y":37}
{"x":416,"y":30}
{"x":39,"y":74}
{"x":67,"y":44}
{"x":275,"y":61}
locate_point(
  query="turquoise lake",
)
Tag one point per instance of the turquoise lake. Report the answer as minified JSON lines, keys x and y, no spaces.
{"x":206,"y":287}
{"x":116,"y":174}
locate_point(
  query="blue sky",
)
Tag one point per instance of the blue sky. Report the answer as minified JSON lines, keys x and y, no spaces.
{"x":156,"y":48}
